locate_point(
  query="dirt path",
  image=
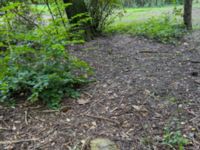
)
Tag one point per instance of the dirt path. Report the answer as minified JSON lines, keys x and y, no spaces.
{"x":142,"y":87}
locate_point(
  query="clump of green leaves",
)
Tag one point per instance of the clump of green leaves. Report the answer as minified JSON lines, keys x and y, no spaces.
{"x":36,"y":65}
{"x":174,"y":139}
{"x":165,"y":28}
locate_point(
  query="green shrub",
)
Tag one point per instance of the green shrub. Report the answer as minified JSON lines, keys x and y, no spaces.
{"x":36,"y":65}
{"x":103,"y":12}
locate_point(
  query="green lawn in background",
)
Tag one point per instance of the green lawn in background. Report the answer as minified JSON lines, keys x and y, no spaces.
{"x":142,"y":14}
{"x":138,"y":15}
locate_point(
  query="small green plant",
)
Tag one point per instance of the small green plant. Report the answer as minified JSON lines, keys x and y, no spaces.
{"x":174,"y":139}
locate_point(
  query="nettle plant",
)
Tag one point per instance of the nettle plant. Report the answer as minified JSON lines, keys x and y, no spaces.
{"x":34,"y":63}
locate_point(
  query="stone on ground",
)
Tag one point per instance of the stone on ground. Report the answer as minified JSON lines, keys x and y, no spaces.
{"x":103,"y":144}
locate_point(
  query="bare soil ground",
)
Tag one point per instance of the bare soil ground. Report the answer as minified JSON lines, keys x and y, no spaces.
{"x":141,"y":88}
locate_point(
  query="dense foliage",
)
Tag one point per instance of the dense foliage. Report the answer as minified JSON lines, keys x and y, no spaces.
{"x":33,"y":61}
{"x":102,"y":12}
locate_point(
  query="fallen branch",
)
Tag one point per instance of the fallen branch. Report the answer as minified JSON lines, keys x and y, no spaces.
{"x":18,"y":141}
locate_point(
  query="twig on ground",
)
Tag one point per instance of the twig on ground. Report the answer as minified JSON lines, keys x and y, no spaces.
{"x":36,"y":118}
{"x":192,"y":61}
{"x":197,"y":82}
{"x":50,"y":111}
{"x":5,"y":124}
{"x":195,"y":118}
{"x":102,"y":118}
{"x":18,"y":141}
{"x":88,"y":94}
{"x":195,"y":142}
{"x":149,"y":52}
{"x":25,"y":117}
{"x":4,"y":128}
{"x":35,"y":107}
{"x":85,"y":143}
{"x":191,"y":112}
{"x":169,"y":146}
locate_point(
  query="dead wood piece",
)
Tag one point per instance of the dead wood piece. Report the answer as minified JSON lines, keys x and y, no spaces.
{"x":25,"y":117}
{"x":198,"y":82}
{"x":7,"y":129}
{"x":192,"y":61}
{"x":18,"y":141}
{"x":86,"y":143}
{"x":102,"y":118}
{"x":149,"y":52}
{"x":50,"y":111}
{"x":191,"y":113}
{"x":195,"y":61}
{"x":88,"y":94}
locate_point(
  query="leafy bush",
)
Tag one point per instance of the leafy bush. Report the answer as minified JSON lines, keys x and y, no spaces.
{"x":36,"y":65}
{"x":165,"y":28}
{"x":102,"y":12}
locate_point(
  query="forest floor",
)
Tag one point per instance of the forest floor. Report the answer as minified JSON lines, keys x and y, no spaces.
{"x":143,"y":91}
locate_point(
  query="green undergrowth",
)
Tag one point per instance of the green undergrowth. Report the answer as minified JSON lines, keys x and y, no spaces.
{"x":34,"y":62}
{"x":166,"y":28}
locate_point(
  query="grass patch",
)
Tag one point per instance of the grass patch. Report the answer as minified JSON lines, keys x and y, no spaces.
{"x":160,"y":23}
{"x":142,"y":14}
{"x":165,"y":28}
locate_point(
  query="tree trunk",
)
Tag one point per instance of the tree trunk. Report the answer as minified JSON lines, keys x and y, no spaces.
{"x":187,"y":17}
{"x":79,"y":7}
